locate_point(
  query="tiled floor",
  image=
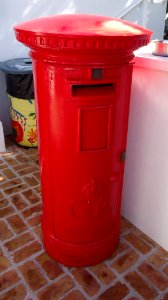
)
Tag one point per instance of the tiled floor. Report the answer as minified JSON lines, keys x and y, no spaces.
{"x":137,"y":270}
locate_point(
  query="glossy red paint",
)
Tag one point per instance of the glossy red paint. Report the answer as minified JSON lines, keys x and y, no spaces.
{"x":82,"y":68}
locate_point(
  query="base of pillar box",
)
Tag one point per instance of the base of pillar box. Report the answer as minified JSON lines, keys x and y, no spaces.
{"x":80,"y":255}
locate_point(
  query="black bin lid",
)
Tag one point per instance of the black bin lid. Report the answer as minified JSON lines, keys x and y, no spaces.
{"x":17,"y":66}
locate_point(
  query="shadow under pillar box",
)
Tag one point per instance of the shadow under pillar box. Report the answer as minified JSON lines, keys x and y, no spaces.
{"x":82,"y":68}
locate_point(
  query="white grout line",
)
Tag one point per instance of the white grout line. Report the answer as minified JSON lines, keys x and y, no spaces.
{"x":74,"y":289}
{"x":50,"y":281}
{"x":134,"y":267}
{"x":27,"y":224}
{"x":14,"y":266}
{"x":27,"y":201}
{"x":76,"y":284}
{"x":14,"y":234}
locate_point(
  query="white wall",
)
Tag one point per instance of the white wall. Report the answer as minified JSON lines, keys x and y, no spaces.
{"x":16,"y":11}
{"x":150,"y":14}
{"x":145,"y":190}
{"x":4,"y":106}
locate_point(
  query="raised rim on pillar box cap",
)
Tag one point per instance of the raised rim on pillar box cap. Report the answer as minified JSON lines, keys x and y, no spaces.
{"x":64,"y":33}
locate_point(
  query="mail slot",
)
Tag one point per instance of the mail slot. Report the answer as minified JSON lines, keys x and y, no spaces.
{"x":92,"y":90}
{"x":82,"y":68}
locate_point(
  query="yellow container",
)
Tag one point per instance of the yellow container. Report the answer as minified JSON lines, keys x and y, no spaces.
{"x":23,"y":117}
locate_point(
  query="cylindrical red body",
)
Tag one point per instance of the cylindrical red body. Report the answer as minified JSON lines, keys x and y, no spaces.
{"x":82,"y":73}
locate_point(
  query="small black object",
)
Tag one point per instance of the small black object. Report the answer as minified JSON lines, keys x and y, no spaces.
{"x":97,"y":73}
{"x":122,"y":156}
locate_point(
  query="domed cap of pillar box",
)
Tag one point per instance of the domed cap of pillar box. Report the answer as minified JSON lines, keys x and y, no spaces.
{"x":82,"y":33}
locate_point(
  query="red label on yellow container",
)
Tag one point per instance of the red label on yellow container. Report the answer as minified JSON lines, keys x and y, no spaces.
{"x":23,"y":117}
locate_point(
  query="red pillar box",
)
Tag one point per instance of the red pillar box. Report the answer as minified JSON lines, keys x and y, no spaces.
{"x":82,"y":68}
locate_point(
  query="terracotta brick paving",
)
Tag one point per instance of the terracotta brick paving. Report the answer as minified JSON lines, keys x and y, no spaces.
{"x":137,"y":270}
